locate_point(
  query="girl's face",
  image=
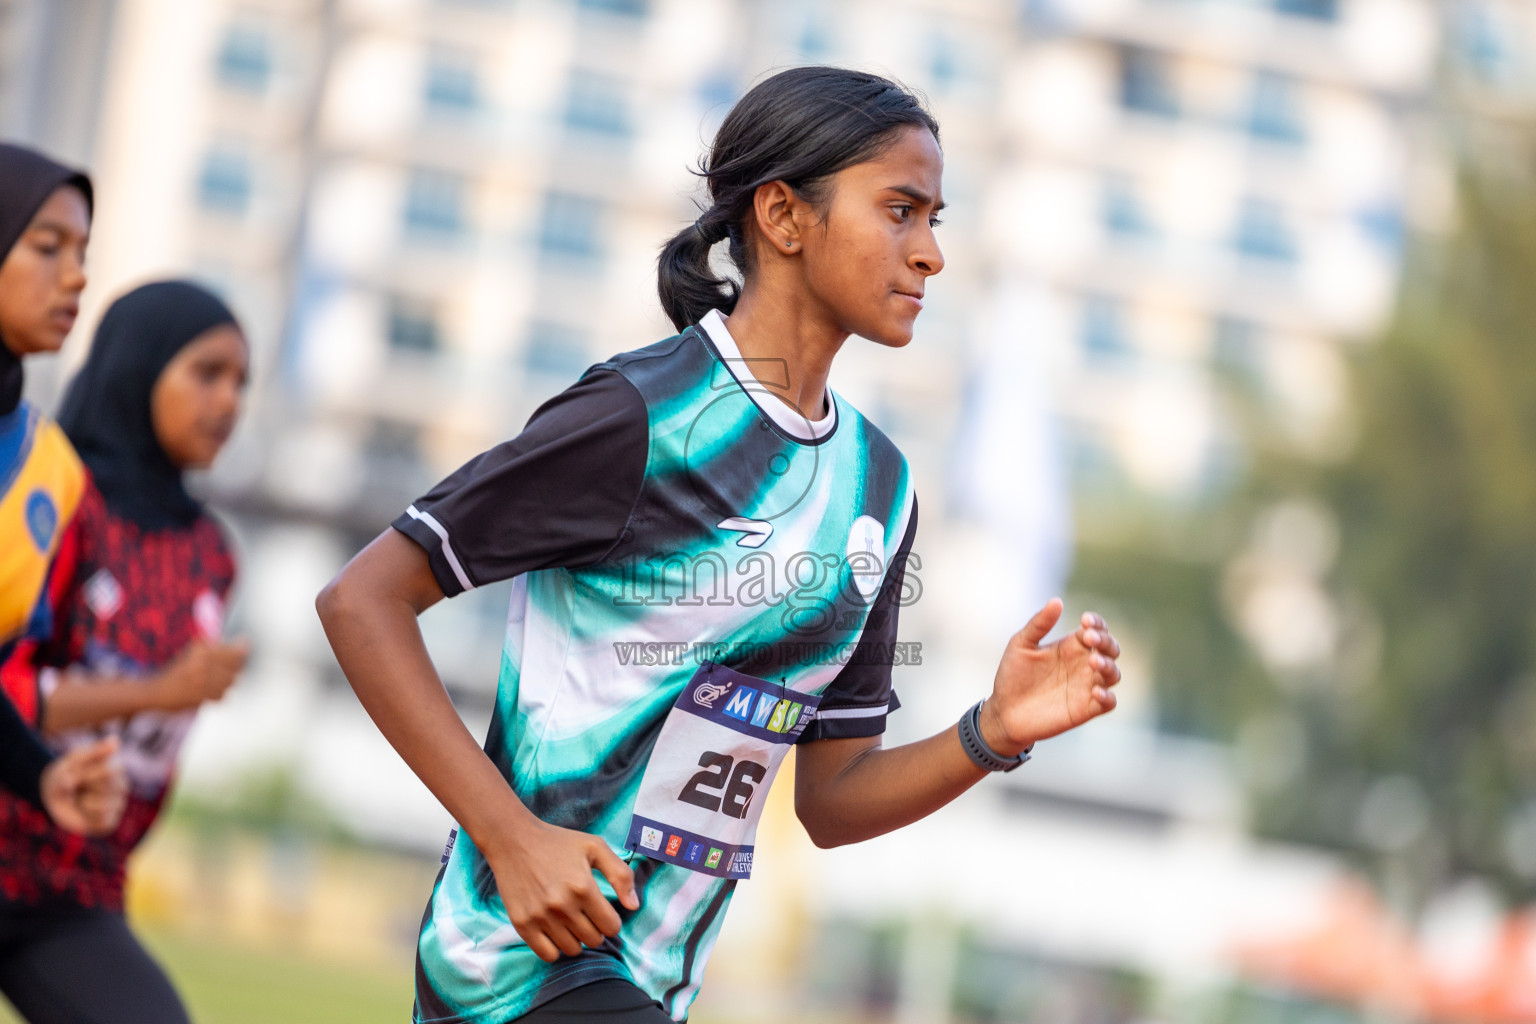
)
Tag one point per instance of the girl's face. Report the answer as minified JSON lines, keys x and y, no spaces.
{"x":196,"y":400}
{"x":43,"y":275}
{"x":870,"y":258}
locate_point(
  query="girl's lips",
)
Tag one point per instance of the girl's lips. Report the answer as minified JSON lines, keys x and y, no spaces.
{"x":64,"y":319}
{"x":916,"y":300}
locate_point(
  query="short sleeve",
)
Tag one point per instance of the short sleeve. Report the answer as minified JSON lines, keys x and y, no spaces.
{"x":859,"y":699}
{"x":559,"y":494}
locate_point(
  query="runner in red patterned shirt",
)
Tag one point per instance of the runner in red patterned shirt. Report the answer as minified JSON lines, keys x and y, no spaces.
{"x":136,"y":596}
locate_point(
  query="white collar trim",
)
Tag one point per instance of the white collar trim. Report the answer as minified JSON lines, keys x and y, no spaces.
{"x":781,"y":412}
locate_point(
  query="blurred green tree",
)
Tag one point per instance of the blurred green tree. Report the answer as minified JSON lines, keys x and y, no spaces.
{"x":1407,"y":736}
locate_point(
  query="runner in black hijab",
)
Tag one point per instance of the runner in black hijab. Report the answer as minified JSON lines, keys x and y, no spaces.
{"x":106,"y":410}
{"x":27,"y":179}
{"x":136,"y":599}
{"x":82,"y":790}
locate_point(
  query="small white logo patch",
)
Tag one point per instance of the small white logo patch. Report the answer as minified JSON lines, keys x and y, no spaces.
{"x":103,"y":594}
{"x":866,"y":555}
{"x":650,"y":838}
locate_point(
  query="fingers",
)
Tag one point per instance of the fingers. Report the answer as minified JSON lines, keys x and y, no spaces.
{"x":561,"y":936}
{"x":619,"y":876}
{"x":1036,"y":629}
{"x":578,"y":921}
{"x":541,"y":945}
{"x":91,"y":757}
{"x":1094,"y":635}
{"x":1107,"y":668}
{"x":233,"y":655}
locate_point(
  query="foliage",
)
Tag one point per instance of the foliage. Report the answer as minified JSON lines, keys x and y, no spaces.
{"x":1416,"y":738}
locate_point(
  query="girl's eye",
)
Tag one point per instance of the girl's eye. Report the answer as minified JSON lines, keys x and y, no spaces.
{"x":903,"y":211}
{"x":934,"y":222}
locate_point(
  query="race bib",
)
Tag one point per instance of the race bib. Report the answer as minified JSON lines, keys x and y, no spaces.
{"x":716,"y":756}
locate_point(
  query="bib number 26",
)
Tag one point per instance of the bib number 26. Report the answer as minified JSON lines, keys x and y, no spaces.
{"x":718,"y":775}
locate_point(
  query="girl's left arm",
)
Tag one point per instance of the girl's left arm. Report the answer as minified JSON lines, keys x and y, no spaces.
{"x":849,"y":790}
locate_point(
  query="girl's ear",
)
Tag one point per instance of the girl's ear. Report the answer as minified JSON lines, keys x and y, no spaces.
{"x":780,"y":216}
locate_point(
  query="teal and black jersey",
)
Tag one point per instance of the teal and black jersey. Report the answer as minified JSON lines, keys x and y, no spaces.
{"x":663,"y":513}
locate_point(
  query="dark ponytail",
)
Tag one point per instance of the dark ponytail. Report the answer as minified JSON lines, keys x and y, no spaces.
{"x":801,"y":127}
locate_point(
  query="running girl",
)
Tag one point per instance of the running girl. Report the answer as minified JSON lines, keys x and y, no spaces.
{"x":45,"y":222}
{"x":136,"y":595}
{"x":708,"y":493}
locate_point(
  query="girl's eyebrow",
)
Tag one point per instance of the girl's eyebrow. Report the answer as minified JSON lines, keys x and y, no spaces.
{"x":917,"y":195}
{"x":50,"y":225}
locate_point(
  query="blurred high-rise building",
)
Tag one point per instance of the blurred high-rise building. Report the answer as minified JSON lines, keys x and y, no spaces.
{"x":1167,"y":221}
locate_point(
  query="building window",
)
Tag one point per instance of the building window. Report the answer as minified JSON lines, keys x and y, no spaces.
{"x":1484,"y":44}
{"x":944,"y":63}
{"x":1103,"y":326}
{"x":225,"y":184}
{"x":718,"y":89}
{"x":245,"y":59}
{"x":1146,"y":83}
{"x":554,"y":350}
{"x":434,"y":203}
{"x":596,"y":103}
{"x":815,"y":38}
{"x":1263,"y":233}
{"x":453,"y":83}
{"x":1321,"y":10}
{"x":392,"y":451}
{"x":1382,"y":223}
{"x":571,"y":225}
{"x":1274,"y":111}
{"x":629,"y":8}
{"x":1123,"y":212}
{"x":412,"y":325}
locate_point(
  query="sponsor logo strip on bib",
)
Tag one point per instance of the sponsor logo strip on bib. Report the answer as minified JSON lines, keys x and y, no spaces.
{"x":748,"y":705}
{"x":668,"y":843}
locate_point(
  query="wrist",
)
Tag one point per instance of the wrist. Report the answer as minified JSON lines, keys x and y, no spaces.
{"x":507,"y":833}
{"x":996,"y":736}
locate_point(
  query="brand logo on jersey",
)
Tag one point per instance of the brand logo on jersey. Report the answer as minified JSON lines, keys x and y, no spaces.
{"x":673,"y":845}
{"x":739,"y":706}
{"x":103,"y":594}
{"x":755,"y":532}
{"x":453,"y":835}
{"x":650,"y":838}
{"x":866,"y":555}
{"x":43,"y":519}
{"x":695,"y":851}
{"x":707,"y":693}
{"x":741,"y":863}
{"x":713,"y":860}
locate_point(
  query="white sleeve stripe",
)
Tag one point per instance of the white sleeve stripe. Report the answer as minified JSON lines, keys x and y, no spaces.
{"x":874,"y":712}
{"x":437,"y":528}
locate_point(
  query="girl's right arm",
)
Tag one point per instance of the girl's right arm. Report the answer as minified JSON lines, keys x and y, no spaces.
{"x":202,"y":672}
{"x":543,"y":873}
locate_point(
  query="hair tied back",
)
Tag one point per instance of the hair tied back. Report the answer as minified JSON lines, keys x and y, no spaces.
{"x":800,"y":126}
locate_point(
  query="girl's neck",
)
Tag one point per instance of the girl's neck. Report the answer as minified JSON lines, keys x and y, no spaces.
{"x":768,"y":326}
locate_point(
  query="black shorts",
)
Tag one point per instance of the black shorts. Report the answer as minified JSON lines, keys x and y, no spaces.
{"x":610,"y":1001}
{"x":79,"y":966}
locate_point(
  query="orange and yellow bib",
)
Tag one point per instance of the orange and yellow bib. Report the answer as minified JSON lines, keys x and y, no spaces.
{"x":43,"y":480}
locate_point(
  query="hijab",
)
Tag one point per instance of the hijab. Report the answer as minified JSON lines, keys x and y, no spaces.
{"x":106,"y":410}
{"x":27,"y":179}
